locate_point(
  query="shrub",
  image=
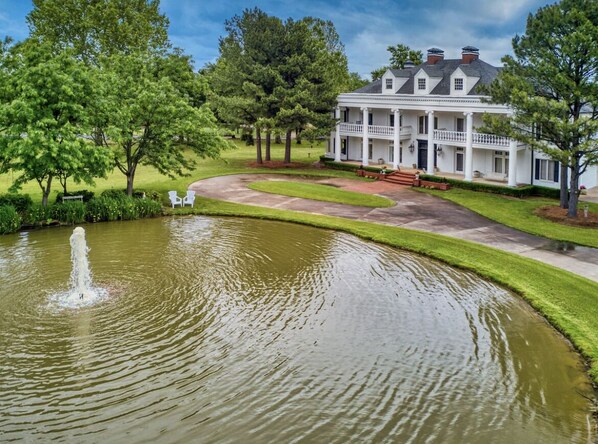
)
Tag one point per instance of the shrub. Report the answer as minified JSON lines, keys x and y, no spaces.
{"x":38,"y":214}
{"x":114,"y":194}
{"x":552,"y":193}
{"x":349,"y":166}
{"x":10,"y":221}
{"x":69,"y":212}
{"x":20,"y":202}
{"x":148,"y":194}
{"x":148,"y":207}
{"x":87,"y":195}
{"x":102,"y":209}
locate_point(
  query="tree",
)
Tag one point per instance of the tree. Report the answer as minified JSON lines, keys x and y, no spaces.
{"x":146,"y":120}
{"x":92,"y":28}
{"x":552,"y":85}
{"x":245,"y":75}
{"x":399,"y":55}
{"x":43,"y":114}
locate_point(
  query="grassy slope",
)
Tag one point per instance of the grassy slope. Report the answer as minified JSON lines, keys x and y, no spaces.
{"x":321,"y":192}
{"x":519,"y":214}
{"x":568,"y":301}
{"x":231,"y":162}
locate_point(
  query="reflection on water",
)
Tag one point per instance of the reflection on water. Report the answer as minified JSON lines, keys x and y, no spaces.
{"x":226,"y":330}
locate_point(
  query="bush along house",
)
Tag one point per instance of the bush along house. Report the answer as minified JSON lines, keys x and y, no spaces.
{"x":425,"y":117}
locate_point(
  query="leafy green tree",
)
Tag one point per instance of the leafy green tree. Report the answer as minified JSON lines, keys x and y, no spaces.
{"x":43,"y":115}
{"x":552,"y":85}
{"x":92,"y":28}
{"x":146,"y":120}
{"x":399,"y":55}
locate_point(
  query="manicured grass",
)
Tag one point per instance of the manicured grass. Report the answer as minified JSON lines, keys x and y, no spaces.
{"x":568,"y":301}
{"x":519,"y":214}
{"x":321,"y":192}
{"x":231,"y":162}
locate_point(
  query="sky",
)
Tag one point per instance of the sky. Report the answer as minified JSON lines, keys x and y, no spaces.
{"x":366,"y":28}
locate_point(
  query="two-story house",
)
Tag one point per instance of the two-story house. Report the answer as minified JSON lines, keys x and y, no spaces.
{"x":426,"y":116}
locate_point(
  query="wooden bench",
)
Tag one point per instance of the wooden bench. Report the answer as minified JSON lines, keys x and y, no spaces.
{"x":78,"y":197}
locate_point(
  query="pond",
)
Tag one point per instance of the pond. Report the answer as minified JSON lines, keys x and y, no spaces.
{"x":230,"y":330}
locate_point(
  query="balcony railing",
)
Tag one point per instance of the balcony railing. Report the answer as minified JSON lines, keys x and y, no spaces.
{"x":374,"y":130}
{"x":478,"y":138}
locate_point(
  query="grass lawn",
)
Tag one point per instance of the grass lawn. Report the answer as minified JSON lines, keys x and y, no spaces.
{"x":519,"y":214}
{"x":231,"y":162}
{"x":568,"y":301}
{"x":321,"y":192}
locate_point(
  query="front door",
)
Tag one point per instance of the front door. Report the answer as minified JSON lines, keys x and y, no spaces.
{"x":422,"y":155}
{"x":459,"y":159}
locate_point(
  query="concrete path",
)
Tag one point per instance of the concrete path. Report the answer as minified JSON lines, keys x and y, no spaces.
{"x":414,"y":210}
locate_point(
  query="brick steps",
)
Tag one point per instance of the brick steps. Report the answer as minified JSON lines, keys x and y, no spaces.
{"x":400,"y":178}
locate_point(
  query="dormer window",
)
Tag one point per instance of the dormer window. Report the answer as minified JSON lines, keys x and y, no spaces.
{"x":388,"y":83}
{"x":459,"y":84}
{"x":421,"y":84}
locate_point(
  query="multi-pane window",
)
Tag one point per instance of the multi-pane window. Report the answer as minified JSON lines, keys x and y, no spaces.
{"x":501,"y":162}
{"x":345,"y":115}
{"x":423,"y":124}
{"x":459,"y":84}
{"x":421,"y":84}
{"x":547,"y":170}
{"x":388,"y":83}
{"x":344,"y":147}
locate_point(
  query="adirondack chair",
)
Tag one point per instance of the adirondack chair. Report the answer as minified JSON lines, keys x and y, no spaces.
{"x":189,"y":199}
{"x":175,"y":199}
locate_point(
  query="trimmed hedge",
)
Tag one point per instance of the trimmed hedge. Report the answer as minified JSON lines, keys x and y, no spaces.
{"x":10,"y":221}
{"x":20,"y":202}
{"x":521,"y":192}
{"x":349,"y":166}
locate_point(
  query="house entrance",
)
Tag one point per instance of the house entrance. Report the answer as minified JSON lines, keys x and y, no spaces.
{"x":422,"y":155}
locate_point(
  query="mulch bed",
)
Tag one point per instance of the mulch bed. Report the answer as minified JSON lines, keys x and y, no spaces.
{"x":273,"y":164}
{"x":557,"y":214}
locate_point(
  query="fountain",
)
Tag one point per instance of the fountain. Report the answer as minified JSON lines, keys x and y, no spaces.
{"x":80,"y":274}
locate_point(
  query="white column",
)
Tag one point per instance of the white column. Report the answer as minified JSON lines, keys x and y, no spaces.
{"x":396,"y":138}
{"x":364,"y":152}
{"x":513,"y":163}
{"x":469,"y":147}
{"x":430,"y":142}
{"x":337,"y":136}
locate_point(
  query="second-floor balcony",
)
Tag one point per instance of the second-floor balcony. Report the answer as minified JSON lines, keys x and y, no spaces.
{"x":459,"y":138}
{"x":385,"y":132}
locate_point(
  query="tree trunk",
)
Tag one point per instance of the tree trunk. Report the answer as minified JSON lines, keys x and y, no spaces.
{"x":287,"y":148}
{"x":574,"y":186}
{"x":277,"y":139}
{"x":46,"y":192}
{"x":130,"y":179}
{"x":258,"y":146}
{"x":564,"y":186}
{"x":268,"y":143}
{"x":298,"y":136}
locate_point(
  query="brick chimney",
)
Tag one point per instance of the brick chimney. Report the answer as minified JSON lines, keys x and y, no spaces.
{"x":469,"y":54}
{"x":435,"y":55}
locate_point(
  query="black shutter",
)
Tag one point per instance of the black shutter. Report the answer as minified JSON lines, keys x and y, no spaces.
{"x":537,"y":174}
{"x":556,"y":171}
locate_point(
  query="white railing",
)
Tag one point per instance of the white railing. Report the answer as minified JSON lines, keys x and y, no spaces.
{"x":449,"y":136}
{"x":379,"y":130}
{"x":351,"y":128}
{"x":490,"y":139}
{"x":478,"y":138}
{"x":374,"y":130}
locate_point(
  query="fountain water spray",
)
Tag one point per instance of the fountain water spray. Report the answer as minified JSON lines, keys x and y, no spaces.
{"x":80,"y":274}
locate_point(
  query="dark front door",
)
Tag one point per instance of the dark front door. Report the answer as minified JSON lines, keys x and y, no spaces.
{"x":422,"y":154}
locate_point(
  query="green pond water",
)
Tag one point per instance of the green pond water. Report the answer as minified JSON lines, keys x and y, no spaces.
{"x":219,"y":330}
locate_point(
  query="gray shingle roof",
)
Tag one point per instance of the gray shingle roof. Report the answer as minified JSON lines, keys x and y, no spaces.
{"x":443,"y":68}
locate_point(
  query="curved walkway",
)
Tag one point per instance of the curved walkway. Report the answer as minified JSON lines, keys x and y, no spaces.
{"x":414,"y":210}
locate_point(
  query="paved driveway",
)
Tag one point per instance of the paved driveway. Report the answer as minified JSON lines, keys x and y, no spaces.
{"x":414,"y":210}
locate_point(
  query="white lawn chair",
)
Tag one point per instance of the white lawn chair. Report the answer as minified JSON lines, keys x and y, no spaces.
{"x":175,"y":199}
{"x":189,"y":198}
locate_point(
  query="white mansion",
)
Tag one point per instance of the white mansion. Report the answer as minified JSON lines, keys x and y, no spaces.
{"x":425,"y":117}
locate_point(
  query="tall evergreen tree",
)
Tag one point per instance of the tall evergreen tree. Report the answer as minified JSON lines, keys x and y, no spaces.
{"x":552,"y":85}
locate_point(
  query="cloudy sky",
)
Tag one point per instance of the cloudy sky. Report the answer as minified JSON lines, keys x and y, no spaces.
{"x":366,"y":28}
